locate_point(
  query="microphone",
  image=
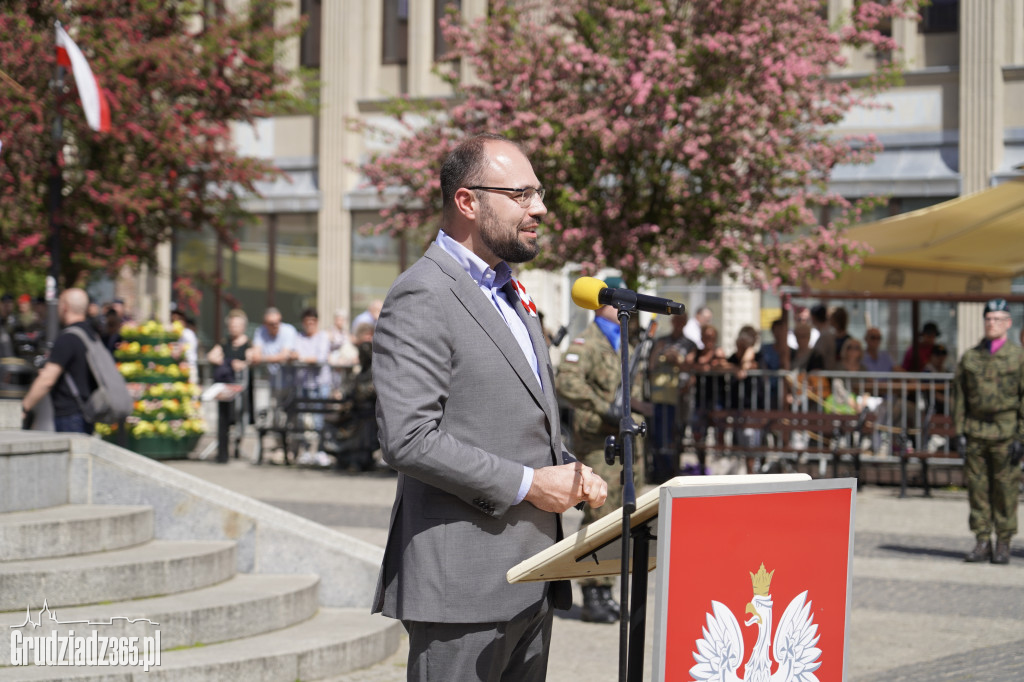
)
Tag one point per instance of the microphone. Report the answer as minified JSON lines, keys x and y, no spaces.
{"x":591,"y":293}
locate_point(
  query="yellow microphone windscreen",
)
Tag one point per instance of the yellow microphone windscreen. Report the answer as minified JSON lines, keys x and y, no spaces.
{"x":585,"y":291}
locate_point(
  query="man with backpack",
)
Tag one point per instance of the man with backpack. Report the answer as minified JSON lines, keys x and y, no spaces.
{"x":80,"y":375}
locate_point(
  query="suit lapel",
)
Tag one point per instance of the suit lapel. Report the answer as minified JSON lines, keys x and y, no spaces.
{"x":484,"y":314}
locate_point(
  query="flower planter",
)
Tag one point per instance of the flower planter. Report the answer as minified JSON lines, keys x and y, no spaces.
{"x":160,"y":447}
{"x":159,"y":428}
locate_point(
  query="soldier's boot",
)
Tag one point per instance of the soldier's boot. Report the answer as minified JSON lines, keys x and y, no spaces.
{"x":981,"y":552}
{"x":613,"y":606}
{"x":595,"y":609}
{"x":1002,"y":553}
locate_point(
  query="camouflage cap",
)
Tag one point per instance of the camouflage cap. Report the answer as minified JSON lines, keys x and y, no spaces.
{"x":996,"y":305}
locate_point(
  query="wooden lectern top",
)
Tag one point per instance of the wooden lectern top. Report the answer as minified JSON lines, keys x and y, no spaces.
{"x":595,"y":550}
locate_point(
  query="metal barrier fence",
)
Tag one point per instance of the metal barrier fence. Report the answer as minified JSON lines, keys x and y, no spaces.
{"x":899,"y":404}
{"x":317,"y":408}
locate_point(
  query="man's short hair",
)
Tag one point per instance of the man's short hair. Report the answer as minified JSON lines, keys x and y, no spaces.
{"x":465,"y":165}
{"x":364,"y":329}
{"x":271,"y":311}
{"x":779,"y":322}
{"x":310,"y":312}
{"x":840,"y":318}
{"x":747,"y":333}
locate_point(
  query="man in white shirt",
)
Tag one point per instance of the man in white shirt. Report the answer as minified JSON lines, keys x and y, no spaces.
{"x":274,"y":344}
{"x":803,"y":316}
{"x":368,"y":316}
{"x":702,"y":317}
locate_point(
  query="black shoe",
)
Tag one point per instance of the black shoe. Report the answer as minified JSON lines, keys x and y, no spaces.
{"x":981,"y":552}
{"x":1002,"y":553}
{"x":595,"y":609}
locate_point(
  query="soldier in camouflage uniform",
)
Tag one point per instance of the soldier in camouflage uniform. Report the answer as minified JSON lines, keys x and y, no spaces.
{"x":988,"y":415}
{"x":589,"y":378}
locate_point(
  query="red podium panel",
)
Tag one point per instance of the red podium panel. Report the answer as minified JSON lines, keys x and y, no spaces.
{"x":754,"y":581}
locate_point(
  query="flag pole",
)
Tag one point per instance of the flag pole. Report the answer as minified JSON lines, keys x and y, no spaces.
{"x":56,"y":189}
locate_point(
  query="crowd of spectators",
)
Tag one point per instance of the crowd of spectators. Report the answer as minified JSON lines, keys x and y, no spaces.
{"x":306,"y":362}
{"x":309,"y":360}
{"x":818,"y":340}
{"x":23,"y":321}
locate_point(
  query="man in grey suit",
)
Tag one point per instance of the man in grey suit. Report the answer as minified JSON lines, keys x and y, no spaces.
{"x":468,"y":417}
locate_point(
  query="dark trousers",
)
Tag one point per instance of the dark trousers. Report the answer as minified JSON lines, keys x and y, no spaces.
{"x":72,"y":423}
{"x":664,"y":443}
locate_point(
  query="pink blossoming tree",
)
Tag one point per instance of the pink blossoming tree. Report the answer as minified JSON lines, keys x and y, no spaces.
{"x":673,"y":136}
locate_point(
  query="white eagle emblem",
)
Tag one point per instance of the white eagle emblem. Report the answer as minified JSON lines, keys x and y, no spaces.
{"x":720,"y":652}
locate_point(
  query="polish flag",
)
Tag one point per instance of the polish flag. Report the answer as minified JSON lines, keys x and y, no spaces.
{"x":94,"y":101}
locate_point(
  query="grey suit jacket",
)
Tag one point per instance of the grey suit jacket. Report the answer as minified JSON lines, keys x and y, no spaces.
{"x":460,"y":413}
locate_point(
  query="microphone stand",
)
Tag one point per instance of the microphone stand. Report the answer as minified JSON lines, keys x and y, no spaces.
{"x":623,"y":447}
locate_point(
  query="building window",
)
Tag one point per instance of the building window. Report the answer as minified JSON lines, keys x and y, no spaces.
{"x":396,"y":32}
{"x":309,"y":46}
{"x":211,"y":11}
{"x":440,"y":10}
{"x":941,"y":16}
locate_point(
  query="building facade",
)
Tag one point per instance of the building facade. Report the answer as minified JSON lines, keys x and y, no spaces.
{"x":955,"y":126}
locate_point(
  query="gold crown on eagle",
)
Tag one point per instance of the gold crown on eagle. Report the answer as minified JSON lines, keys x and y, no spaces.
{"x":762,"y":581}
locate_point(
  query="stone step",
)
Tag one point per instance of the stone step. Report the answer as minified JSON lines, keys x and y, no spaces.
{"x":158,"y":567}
{"x":243,"y":606}
{"x":33,"y":470}
{"x":72,"y":529}
{"x":334,"y":641}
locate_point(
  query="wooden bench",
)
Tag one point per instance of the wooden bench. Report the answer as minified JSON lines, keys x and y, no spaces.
{"x":832,"y":436}
{"x":934,"y":425}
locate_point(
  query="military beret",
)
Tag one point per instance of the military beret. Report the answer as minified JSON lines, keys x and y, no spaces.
{"x":614,"y":282}
{"x":996,"y":305}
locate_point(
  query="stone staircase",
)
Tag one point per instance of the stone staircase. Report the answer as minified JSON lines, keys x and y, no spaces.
{"x":87,"y":564}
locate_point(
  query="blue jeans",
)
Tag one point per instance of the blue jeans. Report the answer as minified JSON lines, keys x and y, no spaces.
{"x":72,"y":423}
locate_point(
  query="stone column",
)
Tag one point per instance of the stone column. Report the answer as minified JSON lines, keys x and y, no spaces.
{"x":984,"y":35}
{"x":346,"y":25}
{"x":161,"y":310}
{"x":982,"y":50}
{"x":740,"y":307}
{"x":970,"y":326}
{"x":1015,"y":31}
{"x":904,"y":32}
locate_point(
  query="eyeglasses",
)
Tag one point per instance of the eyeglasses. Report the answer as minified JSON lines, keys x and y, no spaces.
{"x":997,"y":318}
{"x":521,"y":195}
{"x":873,"y":338}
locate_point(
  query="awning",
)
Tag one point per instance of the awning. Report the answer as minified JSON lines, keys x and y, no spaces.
{"x":970,"y":245}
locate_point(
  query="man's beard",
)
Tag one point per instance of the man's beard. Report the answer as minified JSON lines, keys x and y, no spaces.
{"x":504,"y":243}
